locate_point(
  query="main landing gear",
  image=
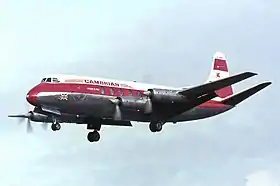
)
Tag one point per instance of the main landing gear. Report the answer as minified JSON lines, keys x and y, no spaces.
{"x":94,"y":136}
{"x":156,"y":126}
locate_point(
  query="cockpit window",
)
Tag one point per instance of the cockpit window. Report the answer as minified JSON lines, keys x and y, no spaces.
{"x":55,"y":80}
{"x":50,"y":79}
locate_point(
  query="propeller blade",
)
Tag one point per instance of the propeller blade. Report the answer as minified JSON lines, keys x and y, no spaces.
{"x":21,"y":117}
{"x":118,"y":114}
{"x":148,"y":106}
{"x":21,"y":120}
{"x":29,"y":126}
{"x":18,"y":116}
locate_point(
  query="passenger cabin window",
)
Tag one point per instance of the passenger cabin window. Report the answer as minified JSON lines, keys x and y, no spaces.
{"x":130,"y":92}
{"x":111,"y":91}
{"x":102,"y":91}
{"x":138,"y":93}
{"x":121,"y":92}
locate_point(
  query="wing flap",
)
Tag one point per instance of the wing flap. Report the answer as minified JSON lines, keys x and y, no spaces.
{"x":238,"y":98}
{"x":200,"y":90}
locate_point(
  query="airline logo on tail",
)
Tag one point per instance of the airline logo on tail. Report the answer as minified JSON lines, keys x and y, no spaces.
{"x":219,"y":70}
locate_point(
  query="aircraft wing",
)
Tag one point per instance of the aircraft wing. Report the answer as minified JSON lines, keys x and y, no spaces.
{"x":198,"y":95}
{"x":200,"y":90}
{"x":165,"y":111}
{"x":238,"y":98}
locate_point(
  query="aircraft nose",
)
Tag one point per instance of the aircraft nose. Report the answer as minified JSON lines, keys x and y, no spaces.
{"x":31,"y":97}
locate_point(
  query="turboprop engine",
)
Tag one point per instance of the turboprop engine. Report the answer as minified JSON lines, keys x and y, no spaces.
{"x":37,"y":117}
{"x":164,"y":95}
{"x":33,"y":116}
{"x":130,"y":103}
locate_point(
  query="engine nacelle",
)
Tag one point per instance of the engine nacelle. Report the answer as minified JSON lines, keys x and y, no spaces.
{"x":165,"y":95}
{"x":37,"y":117}
{"x":132,"y":103}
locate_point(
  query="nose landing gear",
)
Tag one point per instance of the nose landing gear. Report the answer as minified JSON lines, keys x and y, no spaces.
{"x":55,"y":125}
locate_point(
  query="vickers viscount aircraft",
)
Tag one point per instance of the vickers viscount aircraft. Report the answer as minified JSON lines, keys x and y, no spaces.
{"x":98,"y":101}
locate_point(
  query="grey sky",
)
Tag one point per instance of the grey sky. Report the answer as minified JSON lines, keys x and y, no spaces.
{"x":164,"y":42}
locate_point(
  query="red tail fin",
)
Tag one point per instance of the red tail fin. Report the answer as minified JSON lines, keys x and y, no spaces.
{"x":219,"y":70}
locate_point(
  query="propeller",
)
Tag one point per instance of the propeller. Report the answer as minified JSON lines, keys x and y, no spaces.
{"x":117,"y":114}
{"x":28,"y":116}
{"x":148,"y":106}
{"x":23,"y":117}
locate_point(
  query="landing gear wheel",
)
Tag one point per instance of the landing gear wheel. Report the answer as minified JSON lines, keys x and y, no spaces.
{"x":155,"y":126}
{"x":159,"y":127}
{"x":56,"y":126}
{"x":93,"y":136}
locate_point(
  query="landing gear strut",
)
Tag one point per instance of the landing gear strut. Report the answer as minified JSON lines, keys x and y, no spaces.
{"x":55,"y":126}
{"x":156,"y":126}
{"x":93,"y":136}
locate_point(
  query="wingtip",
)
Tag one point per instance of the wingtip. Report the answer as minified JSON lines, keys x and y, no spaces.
{"x":265,"y":84}
{"x":251,"y":73}
{"x":240,"y":97}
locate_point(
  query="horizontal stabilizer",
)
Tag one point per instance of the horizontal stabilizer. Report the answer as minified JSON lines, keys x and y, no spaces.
{"x":200,"y":90}
{"x":238,"y":98}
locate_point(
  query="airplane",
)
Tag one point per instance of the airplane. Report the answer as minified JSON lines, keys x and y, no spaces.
{"x":100,"y":101}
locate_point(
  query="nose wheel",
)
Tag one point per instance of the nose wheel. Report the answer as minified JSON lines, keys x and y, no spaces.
{"x":56,"y":126}
{"x":93,"y":136}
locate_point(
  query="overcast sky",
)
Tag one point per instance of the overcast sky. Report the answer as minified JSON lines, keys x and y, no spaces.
{"x":160,"y":41}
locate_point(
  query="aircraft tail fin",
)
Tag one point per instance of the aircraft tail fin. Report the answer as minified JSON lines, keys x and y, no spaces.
{"x":219,"y":70}
{"x":238,"y":98}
